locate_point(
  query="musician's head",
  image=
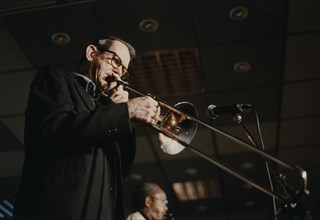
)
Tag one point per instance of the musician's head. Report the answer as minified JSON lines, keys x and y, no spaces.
{"x":151,"y":201}
{"x":104,"y":59}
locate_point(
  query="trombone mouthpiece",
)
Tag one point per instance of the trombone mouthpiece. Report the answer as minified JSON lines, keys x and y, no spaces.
{"x":111,"y":79}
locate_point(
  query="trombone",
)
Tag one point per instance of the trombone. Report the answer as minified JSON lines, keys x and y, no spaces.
{"x":179,"y":125}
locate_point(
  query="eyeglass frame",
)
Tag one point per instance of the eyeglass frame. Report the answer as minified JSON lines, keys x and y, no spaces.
{"x":165,"y":201}
{"x":113,"y":63}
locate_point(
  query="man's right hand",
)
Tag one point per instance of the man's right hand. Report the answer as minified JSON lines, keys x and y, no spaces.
{"x":144,"y":109}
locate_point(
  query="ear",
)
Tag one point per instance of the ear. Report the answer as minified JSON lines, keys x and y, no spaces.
{"x":91,"y":52}
{"x":148,"y":201}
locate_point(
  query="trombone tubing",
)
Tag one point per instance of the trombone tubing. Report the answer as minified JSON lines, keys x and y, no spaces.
{"x":223,"y":133}
{"x":226,"y":168}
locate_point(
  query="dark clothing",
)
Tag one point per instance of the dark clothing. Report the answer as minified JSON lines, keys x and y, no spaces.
{"x":77,"y":153}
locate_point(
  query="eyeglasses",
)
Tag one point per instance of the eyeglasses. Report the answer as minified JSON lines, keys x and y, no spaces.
{"x":165,"y":201}
{"x":115,"y":62}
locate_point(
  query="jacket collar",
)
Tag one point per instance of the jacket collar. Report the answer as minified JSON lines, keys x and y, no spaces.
{"x":85,"y":88}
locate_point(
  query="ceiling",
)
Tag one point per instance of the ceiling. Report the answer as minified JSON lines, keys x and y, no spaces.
{"x":259,"y":52}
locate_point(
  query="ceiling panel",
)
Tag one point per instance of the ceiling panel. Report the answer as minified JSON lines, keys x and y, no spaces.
{"x":38,"y":27}
{"x":173,"y":18}
{"x":15,"y":124}
{"x":263,"y":58}
{"x":11,"y":56}
{"x":301,"y":99}
{"x":298,"y":132}
{"x":303,"y":16}
{"x":306,"y":157}
{"x":15,"y":86}
{"x":301,"y":58}
{"x":21,"y":6}
{"x":226,"y":146}
{"x":8,"y":141}
{"x":214,"y":24}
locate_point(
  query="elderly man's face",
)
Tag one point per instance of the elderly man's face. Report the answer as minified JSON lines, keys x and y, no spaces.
{"x":158,"y":207}
{"x":105,"y":65}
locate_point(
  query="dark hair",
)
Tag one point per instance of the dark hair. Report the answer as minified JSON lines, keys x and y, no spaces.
{"x":105,"y":43}
{"x":141,"y":192}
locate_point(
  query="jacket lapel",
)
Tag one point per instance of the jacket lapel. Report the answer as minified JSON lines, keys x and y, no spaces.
{"x":86,"y":98}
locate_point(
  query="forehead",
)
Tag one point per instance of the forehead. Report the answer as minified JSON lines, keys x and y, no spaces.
{"x":122,"y":51}
{"x":160,"y":194}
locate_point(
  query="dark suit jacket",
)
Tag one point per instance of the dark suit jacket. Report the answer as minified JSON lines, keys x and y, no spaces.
{"x":76,"y":153}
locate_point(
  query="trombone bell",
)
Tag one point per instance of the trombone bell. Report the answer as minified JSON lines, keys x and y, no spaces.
{"x":178,"y":125}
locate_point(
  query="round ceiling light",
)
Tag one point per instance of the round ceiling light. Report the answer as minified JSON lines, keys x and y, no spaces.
{"x":239,"y":13}
{"x":191,"y":171}
{"x":136,"y":176}
{"x":249,"y":203}
{"x":247,"y":165}
{"x":242,"y":67}
{"x":60,"y":38}
{"x":148,"y":25}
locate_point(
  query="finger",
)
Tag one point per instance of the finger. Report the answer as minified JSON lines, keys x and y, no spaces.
{"x":119,"y":96}
{"x":113,"y":85}
{"x":120,"y":88}
{"x":155,"y":116}
{"x":158,"y":117}
{"x":151,"y":104}
{"x":152,"y":101}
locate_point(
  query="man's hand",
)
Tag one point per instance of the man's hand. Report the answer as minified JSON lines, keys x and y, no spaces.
{"x":118,"y":95}
{"x":144,"y":109}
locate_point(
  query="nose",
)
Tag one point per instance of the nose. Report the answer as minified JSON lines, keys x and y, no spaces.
{"x":116,"y":73}
{"x":118,"y":70}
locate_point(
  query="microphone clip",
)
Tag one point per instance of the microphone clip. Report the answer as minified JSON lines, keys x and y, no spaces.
{"x":214,"y":111}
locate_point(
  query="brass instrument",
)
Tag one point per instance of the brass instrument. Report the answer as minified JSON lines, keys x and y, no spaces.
{"x":179,"y":125}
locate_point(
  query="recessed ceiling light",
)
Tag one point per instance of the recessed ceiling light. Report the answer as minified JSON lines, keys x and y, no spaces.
{"x":242,"y":67}
{"x":202,"y":208}
{"x":135,"y":176}
{"x":238,"y":13}
{"x":191,"y":171}
{"x":249,"y":203}
{"x":148,"y":25}
{"x":247,"y":165}
{"x":60,"y":38}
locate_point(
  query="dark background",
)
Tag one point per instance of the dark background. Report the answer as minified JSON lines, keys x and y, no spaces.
{"x":262,"y":52}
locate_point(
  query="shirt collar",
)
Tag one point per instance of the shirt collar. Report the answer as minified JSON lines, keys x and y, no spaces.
{"x":88,"y":84}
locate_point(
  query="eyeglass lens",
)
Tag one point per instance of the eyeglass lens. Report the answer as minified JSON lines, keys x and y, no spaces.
{"x":117,"y":62}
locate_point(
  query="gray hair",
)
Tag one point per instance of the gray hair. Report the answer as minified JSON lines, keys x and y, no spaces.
{"x":105,"y":43}
{"x":141,"y":192}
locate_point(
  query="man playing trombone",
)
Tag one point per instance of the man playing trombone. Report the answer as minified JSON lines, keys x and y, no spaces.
{"x":79,"y":139}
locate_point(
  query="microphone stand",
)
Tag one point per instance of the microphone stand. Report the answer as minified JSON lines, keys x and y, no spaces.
{"x":291,"y":210}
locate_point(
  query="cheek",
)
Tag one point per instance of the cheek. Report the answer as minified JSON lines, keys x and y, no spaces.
{"x":101,"y":80}
{"x":101,"y":77}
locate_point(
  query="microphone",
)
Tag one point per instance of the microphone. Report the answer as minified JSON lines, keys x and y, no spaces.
{"x":214,"y":111}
